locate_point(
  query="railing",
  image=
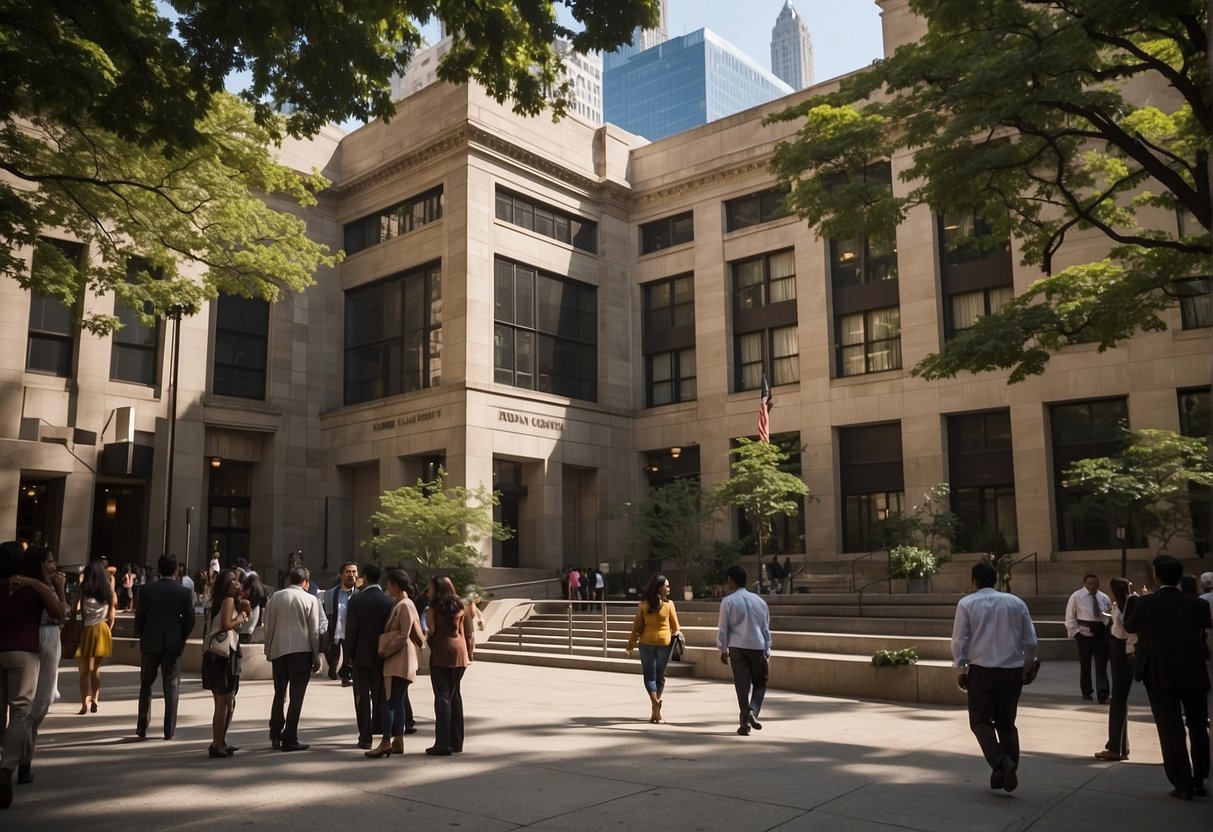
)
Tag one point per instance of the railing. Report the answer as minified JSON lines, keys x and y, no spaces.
{"x":532,"y":586}
{"x":1006,"y":580}
{"x":854,"y":561}
{"x":524,"y":612}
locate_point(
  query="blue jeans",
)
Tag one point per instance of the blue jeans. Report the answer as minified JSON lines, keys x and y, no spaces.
{"x":653,"y":660}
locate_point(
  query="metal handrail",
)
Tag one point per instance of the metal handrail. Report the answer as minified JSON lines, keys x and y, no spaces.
{"x":543,"y":582}
{"x":604,"y":606}
{"x":1035,"y":568}
{"x":868,"y":555}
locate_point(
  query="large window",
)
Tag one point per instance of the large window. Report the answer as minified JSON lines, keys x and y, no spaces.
{"x":393,"y":335}
{"x":546,"y":333}
{"x":755,"y":209}
{"x":869,"y":342}
{"x":765,"y":339}
{"x":860,"y":260}
{"x":669,"y":340}
{"x":1196,"y":302}
{"x":872,"y":482}
{"x":667,"y":232}
{"x":966,"y":237}
{"x":1082,"y":430}
{"x":241,"y":346}
{"x":532,"y":215}
{"x":136,"y":346}
{"x":400,"y":218}
{"x":1194,"y":421}
{"x":51,"y":344}
{"x":975,"y":270}
{"x":966,"y":308}
{"x":982,"y":476}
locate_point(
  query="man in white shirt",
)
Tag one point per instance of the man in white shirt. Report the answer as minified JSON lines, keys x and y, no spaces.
{"x":743,"y":637}
{"x":292,"y":645}
{"x":336,"y":605}
{"x":1085,"y":623}
{"x":993,"y":651}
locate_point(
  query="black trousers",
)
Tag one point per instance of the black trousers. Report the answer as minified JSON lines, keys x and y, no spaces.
{"x":168,"y":666}
{"x":993,"y":704}
{"x":1118,"y":711}
{"x":750,"y":672}
{"x":448,"y":707}
{"x":369,"y":701}
{"x":291,"y":673}
{"x":337,"y":651}
{"x":1097,"y":649}
{"x":1171,"y":710}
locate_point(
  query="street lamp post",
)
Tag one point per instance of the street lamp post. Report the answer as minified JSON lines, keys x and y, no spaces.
{"x":174,"y":313}
{"x":1124,"y":549}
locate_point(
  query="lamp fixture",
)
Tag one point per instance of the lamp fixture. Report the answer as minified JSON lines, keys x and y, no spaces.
{"x":675,"y":452}
{"x":216,"y":462}
{"x":111,"y":506}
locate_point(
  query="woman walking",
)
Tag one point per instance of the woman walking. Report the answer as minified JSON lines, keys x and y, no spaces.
{"x":451,"y":648}
{"x":654,"y":628}
{"x":399,"y":663}
{"x":41,"y":566}
{"x":221,"y":675}
{"x":1121,"y":664}
{"x":95,"y":603}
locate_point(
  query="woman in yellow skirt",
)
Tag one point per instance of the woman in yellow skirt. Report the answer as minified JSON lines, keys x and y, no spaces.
{"x":95,"y":603}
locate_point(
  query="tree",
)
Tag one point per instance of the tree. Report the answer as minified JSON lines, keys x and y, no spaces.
{"x":759,"y":488}
{"x":930,"y":525}
{"x":1144,"y":488}
{"x":114,"y":124}
{"x":673,"y":522}
{"x":1017,"y":110}
{"x":438,"y":527}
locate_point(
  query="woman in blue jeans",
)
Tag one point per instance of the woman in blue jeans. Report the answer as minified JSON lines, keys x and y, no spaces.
{"x":654,"y":628}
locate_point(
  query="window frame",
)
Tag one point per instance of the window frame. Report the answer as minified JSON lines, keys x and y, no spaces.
{"x":669,"y":334}
{"x":562,"y":226}
{"x":667,"y":232}
{"x":769,"y":204}
{"x":394,"y":221}
{"x":124,"y":341}
{"x":62,"y":337}
{"x":868,"y":352}
{"x":241,"y":337}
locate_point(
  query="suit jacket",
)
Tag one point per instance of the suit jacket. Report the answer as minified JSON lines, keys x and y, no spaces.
{"x":164,"y":617}
{"x":404,"y":662}
{"x":365,"y":619}
{"x":1170,"y":631}
{"x":331,"y":610}
{"x":292,"y":623}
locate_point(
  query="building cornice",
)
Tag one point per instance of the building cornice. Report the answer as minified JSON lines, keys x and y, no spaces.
{"x":697,"y":184}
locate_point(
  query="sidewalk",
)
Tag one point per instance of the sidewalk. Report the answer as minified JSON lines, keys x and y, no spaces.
{"x":555,"y":749}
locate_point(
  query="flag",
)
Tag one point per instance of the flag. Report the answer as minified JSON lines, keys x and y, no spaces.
{"x":765,"y":403}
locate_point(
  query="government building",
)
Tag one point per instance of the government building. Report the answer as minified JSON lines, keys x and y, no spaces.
{"x":570,"y":314}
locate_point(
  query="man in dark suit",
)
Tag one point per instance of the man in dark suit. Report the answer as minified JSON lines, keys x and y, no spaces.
{"x":365,"y":619}
{"x":1169,"y":661}
{"x":164,"y":618}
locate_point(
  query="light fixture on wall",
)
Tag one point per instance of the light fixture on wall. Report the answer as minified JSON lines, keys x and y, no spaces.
{"x":675,"y":452}
{"x":216,"y":462}
{"x":111,"y":506}
{"x":652,"y":469}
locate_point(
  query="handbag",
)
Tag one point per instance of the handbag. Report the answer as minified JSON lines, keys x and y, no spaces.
{"x":390,"y":643}
{"x":678,"y":647}
{"x":69,"y":636}
{"x":221,"y":643}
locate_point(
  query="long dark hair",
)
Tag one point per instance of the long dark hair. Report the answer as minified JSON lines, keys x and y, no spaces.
{"x":97,"y":584}
{"x":254,"y":590}
{"x":445,"y":598}
{"x":223,"y":583}
{"x":31,"y":565}
{"x":401,"y":580}
{"x":1120,"y":591}
{"x":652,"y":591}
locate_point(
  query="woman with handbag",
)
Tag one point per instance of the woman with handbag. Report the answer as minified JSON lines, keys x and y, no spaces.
{"x":451,"y":647}
{"x":654,"y":627}
{"x":1120,"y":662}
{"x":95,"y":605}
{"x":398,"y":646}
{"x":221,"y":657}
{"x":41,"y":566}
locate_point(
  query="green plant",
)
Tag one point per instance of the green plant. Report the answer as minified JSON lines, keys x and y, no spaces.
{"x":894,"y":658}
{"x":672,"y":522}
{"x":912,"y":562}
{"x":930,"y":524}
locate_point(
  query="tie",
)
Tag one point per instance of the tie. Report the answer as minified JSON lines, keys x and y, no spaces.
{"x":1095,"y":606}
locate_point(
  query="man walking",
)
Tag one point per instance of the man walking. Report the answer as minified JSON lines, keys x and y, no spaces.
{"x":1085,"y":624}
{"x":1170,"y":662}
{"x":993,"y":651}
{"x":336,"y":606}
{"x":368,"y":613}
{"x":743,"y":637}
{"x":164,"y":618}
{"x":292,"y":645}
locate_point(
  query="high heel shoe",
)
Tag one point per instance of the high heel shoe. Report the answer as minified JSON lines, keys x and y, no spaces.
{"x":398,"y":745}
{"x":83,"y":710}
{"x":93,"y":707}
{"x":215,"y":753}
{"x":384,"y":749}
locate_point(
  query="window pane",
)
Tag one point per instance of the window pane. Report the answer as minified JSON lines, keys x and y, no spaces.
{"x":966,"y":309}
{"x":850,"y":329}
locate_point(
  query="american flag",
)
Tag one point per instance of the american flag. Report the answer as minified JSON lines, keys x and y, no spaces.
{"x":765,"y":403}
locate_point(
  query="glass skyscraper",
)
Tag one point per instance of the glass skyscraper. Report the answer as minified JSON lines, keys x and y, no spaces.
{"x":682,"y":83}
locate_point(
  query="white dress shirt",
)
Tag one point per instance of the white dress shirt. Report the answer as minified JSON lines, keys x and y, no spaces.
{"x":745,"y":622}
{"x":1081,"y":606}
{"x":992,"y":629}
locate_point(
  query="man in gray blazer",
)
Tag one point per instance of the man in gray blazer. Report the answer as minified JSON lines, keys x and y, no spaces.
{"x":292,"y":645}
{"x":164,"y":618}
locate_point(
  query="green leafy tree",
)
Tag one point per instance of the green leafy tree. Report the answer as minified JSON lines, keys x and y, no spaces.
{"x":437,"y":526}
{"x":674,"y":522}
{"x":1017,"y":110}
{"x":759,"y":487}
{"x":114,"y":125}
{"x":930,"y":525}
{"x":1144,"y":488}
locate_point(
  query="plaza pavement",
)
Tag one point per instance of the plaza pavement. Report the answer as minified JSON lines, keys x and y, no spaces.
{"x":557,"y":749}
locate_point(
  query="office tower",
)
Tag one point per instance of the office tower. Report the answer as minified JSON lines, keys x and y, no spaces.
{"x":792,"y":49}
{"x":642,"y":39}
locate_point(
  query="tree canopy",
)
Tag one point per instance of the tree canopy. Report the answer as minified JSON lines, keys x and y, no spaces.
{"x":1048,"y":121}
{"x":758,"y":487}
{"x":115,"y":126}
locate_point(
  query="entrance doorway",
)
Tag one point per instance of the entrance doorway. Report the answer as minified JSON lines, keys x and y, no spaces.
{"x":507,"y":479}
{"x":119,"y":523}
{"x":40,"y":512}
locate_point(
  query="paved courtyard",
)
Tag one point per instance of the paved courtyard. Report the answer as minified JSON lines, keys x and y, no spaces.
{"x":554,"y":749}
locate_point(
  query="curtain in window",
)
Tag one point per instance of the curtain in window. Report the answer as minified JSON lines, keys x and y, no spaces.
{"x":786,"y":355}
{"x":966,"y":309}
{"x":750,"y":346}
{"x":850,"y":339}
{"x":884,"y":334}
{"x":783,"y":276}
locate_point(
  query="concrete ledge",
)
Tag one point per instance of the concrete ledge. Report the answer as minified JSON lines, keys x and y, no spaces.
{"x":253,"y":664}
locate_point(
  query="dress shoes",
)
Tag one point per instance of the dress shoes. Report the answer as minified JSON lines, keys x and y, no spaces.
{"x":1198,"y":789}
{"x":1103,"y":699}
{"x":24,"y":775}
{"x":996,"y":780}
{"x":753,"y":720}
{"x":276,"y":743}
{"x":1182,"y":794}
{"x":434,"y":751}
{"x":743,"y":730}
{"x":364,"y":745}
{"x":1110,"y":756}
{"x":412,"y":729}
{"x":229,"y":750}
{"x":216,"y":753}
{"x":384,"y":750}
{"x":295,"y":746}
{"x":347,"y":683}
{"x":1010,"y":776}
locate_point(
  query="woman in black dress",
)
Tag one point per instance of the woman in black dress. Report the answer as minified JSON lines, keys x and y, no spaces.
{"x":221,"y":676}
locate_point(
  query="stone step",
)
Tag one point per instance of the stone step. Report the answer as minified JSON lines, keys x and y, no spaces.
{"x":585,"y":661}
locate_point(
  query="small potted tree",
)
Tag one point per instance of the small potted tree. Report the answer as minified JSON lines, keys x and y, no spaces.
{"x":915,"y":564}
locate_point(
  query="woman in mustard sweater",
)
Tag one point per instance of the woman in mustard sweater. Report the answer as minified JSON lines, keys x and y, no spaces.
{"x":655,"y":625}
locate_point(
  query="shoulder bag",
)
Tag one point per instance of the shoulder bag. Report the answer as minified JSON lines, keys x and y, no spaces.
{"x":221,"y":643}
{"x":390,"y":643}
{"x":678,"y":647}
